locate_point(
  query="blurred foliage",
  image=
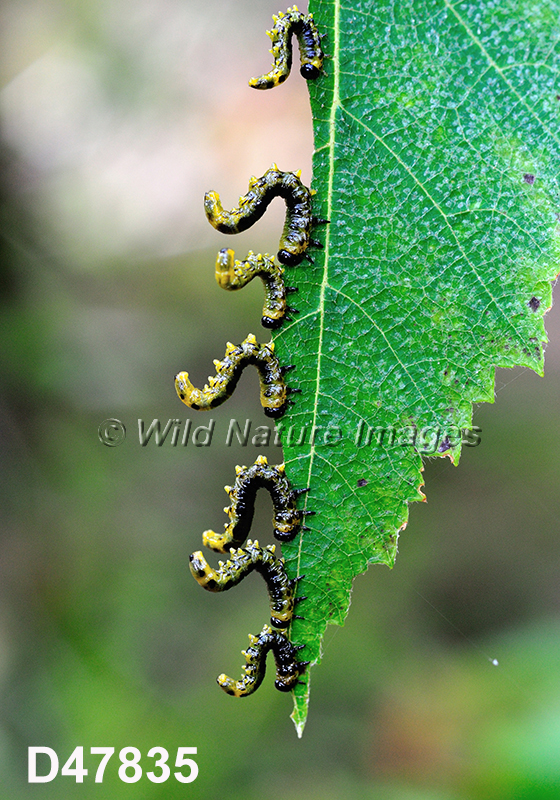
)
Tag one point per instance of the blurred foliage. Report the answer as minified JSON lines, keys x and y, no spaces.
{"x":105,"y":640}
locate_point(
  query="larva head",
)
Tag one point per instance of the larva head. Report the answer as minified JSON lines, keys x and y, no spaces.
{"x":287,"y":683}
{"x":190,"y":396}
{"x":286,"y":533}
{"x":273,"y":318}
{"x":275,"y":411}
{"x":274,"y":399}
{"x":289,"y":258}
{"x":311,"y":69}
{"x":288,"y":670}
{"x":282,"y":620}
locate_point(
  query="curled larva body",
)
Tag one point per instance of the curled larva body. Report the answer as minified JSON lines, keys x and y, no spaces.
{"x":273,"y":390}
{"x":293,"y":22}
{"x":233,"y":275}
{"x":295,"y":238}
{"x":241,"y":563}
{"x":288,"y":668}
{"x":287,"y":517}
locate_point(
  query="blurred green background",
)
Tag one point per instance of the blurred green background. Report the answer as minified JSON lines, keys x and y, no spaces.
{"x":116,"y":118}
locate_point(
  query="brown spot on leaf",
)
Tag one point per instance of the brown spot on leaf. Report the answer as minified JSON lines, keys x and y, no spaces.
{"x":534,"y":303}
{"x":362,"y":482}
{"x":528,"y":178}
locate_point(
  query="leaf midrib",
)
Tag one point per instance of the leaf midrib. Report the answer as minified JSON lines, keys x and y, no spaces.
{"x":324,"y":283}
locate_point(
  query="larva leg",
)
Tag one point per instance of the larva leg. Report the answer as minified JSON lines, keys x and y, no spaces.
{"x":287,"y":517}
{"x":242,"y":562}
{"x":233,"y":275}
{"x":273,"y":390}
{"x":311,"y":52}
{"x":274,"y":183}
{"x":288,"y":669}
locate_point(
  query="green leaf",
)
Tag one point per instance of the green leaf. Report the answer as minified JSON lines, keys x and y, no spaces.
{"x":436,"y":162}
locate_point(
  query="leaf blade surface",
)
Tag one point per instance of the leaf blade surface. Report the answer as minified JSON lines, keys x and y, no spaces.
{"x":436,"y":162}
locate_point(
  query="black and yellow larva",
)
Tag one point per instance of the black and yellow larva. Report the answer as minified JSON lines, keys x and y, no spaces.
{"x":248,"y":480}
{"x":273,"y":390}
{"x":233,"y":275}
{"x":310,"y":50}
{"x":241,"y":563}
{"x":288,"y":669}
{"x":295,"y":237}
